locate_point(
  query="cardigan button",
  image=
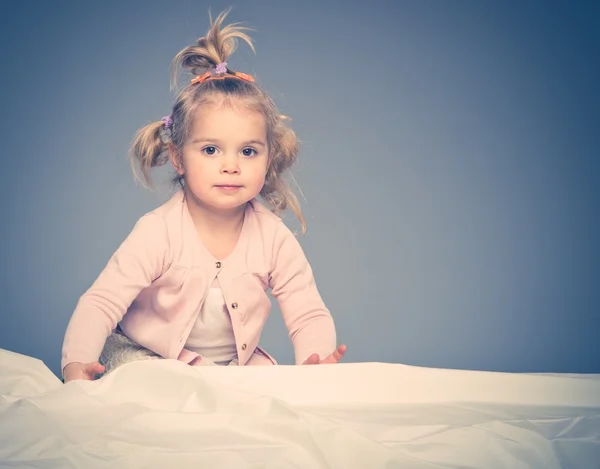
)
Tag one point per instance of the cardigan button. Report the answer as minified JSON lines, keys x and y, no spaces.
{"x":244,"y":346}
{"x":234,"y":305}
{"x":218,"y":264}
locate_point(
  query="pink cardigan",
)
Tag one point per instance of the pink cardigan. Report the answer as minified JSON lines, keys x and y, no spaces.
{"x":156,"y":282}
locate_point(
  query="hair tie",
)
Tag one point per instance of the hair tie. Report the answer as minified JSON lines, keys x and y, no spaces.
{"x":168,"y":121}
{"x":220,"y":72}
{"x":221,"y":68}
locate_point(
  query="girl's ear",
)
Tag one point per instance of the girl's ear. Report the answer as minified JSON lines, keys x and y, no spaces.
{"x":175,"y":160}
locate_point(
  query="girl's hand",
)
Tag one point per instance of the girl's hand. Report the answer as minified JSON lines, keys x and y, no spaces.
{"x":333,"y":358}
{"x":78,"y":370}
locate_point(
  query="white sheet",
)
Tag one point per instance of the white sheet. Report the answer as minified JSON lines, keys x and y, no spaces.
{"x":165,"y":414}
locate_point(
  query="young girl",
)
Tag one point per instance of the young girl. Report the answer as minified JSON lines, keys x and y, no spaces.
{"x":189,"y":282}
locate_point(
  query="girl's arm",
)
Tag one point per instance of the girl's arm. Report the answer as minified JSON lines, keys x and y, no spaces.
{"x":292,"y":283}
{"x":139,"y":260}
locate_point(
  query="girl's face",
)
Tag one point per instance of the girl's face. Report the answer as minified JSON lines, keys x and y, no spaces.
{"x":225,"y":159}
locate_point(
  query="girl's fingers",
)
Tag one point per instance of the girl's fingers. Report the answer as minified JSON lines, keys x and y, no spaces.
{"x":335,"y":357}
{"x":312,"y":360}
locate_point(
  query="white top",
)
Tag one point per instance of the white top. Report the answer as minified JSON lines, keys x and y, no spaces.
{"x":212,"y":333}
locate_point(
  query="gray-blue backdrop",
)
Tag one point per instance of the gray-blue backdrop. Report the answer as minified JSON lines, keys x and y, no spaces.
{"x":449,"y":164}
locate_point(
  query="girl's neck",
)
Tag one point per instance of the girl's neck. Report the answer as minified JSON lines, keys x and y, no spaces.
{"x":217,"y":222}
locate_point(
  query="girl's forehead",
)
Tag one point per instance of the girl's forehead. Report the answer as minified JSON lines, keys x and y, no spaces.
{"x":228,"y":119}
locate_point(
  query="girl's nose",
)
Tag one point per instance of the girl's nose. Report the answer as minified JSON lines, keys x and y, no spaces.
{"x":230,"y":165}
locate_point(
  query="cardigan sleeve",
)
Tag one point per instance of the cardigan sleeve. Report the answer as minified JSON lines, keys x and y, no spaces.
{"x":139,"y":260}
{"x":309,"y":322}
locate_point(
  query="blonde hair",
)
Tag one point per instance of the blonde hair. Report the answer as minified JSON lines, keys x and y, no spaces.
{"x":151,"y":144}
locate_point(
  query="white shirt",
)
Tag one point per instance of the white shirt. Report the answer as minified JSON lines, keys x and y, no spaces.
{"x":212,"y":333}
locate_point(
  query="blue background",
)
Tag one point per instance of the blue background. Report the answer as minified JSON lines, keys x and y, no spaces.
{"x":449,"y":164}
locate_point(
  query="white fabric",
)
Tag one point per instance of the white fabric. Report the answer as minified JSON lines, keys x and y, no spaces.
{"x":212,"y":334}
{"x":163,"y":413}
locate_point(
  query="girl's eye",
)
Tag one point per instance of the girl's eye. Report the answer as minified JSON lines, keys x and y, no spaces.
{"x":249,"y":151}
{"x":210,"y":150}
